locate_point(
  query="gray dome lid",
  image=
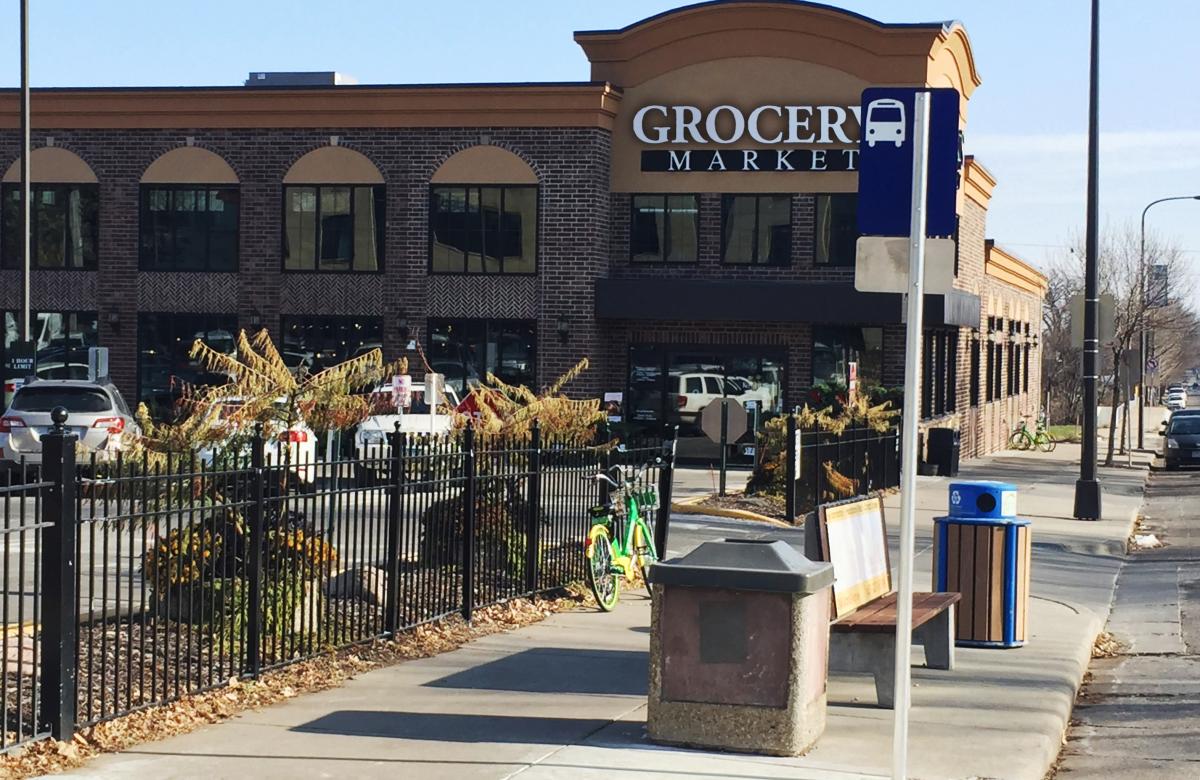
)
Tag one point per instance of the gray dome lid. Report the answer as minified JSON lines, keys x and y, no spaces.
{"x":745,"y":564}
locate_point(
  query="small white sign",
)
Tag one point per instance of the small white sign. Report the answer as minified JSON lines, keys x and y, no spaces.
{"x":881,"y":265}
{"x":402,"y":390}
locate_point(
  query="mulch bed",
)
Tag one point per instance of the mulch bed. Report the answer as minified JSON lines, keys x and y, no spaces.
{"x":760,"y":503}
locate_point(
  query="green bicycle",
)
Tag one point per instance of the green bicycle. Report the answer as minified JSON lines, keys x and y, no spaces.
{"x":619,"y":543}
{"x":1039,"y":438}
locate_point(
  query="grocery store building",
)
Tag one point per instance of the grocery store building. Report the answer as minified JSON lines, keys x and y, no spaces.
{"x":685,"y":219}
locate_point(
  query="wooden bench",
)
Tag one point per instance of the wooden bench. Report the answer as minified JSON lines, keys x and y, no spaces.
{"x":852,"y":535}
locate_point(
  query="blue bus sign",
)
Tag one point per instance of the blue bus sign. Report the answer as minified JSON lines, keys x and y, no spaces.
{"x":886,"y":162}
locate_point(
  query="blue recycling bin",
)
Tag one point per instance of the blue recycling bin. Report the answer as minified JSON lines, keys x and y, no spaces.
{"x":982,"y":550}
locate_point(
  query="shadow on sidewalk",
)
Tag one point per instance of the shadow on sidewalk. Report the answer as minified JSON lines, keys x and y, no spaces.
{"x":558,"y":670}
{"x":448,"y":727}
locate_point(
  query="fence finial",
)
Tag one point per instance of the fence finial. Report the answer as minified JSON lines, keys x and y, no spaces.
{"x":58,"y":415}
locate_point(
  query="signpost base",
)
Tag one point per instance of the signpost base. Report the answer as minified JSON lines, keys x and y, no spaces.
{"x":1087,"y":499}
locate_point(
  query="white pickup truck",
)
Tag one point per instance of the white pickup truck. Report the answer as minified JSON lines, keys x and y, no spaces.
{"x":371,"y":437}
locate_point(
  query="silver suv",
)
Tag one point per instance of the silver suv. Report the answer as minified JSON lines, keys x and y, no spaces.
{"x":96,"y":413}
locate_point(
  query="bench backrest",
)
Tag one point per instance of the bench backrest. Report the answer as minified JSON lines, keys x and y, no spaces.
{"x":853,"y":537}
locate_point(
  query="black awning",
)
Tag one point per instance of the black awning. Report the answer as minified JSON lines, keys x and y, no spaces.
{"x":773,"y":301}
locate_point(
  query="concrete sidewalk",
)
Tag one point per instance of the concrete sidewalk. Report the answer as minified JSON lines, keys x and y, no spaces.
{"x":566,"y":698}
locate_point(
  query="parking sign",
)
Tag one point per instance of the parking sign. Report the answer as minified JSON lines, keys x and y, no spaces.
{"x":886,"y":162}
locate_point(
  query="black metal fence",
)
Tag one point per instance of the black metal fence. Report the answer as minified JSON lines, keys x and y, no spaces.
{"x":823,"y":466}
{"x":189,"y":571}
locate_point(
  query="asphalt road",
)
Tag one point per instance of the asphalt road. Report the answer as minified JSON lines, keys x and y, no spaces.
{"x":1137,"y":716}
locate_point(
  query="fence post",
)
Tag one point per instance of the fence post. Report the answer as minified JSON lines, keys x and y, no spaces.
{"x":818,"y":466}
{"x":666,"y":480}
{"x":391,"y":611}
{"x":468,"y":531}
{"x":59,"y":599}
{"x":533,"y":532}
{"x":789,"y":487}
{"x":604,"y":438}
{"x":255,"y":516}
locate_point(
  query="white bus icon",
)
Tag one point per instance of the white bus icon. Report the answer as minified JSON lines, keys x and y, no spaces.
{"x":885,"y":121}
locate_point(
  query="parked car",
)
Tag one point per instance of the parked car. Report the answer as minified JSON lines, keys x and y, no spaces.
{"x":296,"y":446}
{"x":1181,"y":440}
{"x":694,"y":391}
{"x":96,"y":413}
{"x":371,"y":437}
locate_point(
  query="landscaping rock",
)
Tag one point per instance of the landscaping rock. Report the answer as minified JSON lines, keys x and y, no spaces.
{"x":368,"y":583}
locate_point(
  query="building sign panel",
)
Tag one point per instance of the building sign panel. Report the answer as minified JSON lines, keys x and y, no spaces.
{"x":748,"y":160}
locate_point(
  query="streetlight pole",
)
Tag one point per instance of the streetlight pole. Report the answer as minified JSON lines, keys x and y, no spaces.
{"x":1087,"y":487}
{"x":1142,"y":338}
{"x":25,"y":199}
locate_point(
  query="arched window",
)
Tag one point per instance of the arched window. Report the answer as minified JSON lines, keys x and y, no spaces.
{"x":189,"y":213}
{"x":334,"y":210}
{"x":64,"y":212}
{"x":483,"y":214}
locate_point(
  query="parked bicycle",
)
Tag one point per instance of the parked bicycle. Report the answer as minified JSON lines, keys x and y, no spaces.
{"x":1038,"y":439}
{"x":620,"y":543}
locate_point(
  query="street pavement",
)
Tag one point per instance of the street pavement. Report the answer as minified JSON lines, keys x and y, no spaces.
{"x":566,"y":698}
{"x":1138,"y":716}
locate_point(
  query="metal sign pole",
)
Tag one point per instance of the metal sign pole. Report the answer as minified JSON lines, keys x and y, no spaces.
{"x":26,"y":315}
{"x":912,"y":399}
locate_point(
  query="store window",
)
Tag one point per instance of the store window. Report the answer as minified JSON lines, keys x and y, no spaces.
{"x":483,"y":230}
{"x":835,"y":347}
{"x":312,"y":344}
{"x":756,"y":229}
{"x":164,"y":366}
{"x":467,"y":350}
{"x":837,"y":229}
{"x":64,"y":226}
{"x":939,"y":369}
{"x":974,"y":388}
{"x":335,"y":228}
{"x":187,"y":227}
{"x":62,"y":338}
{"x":665,"y":229}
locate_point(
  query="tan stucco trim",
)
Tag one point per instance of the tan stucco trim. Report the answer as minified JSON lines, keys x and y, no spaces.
{"x":484,"y":165}
{"x":52,"y":165}
{"x":978,"y":181}
{"x":189,"y":165}
{"x":952,"y":61}
{"x":551,"y":105}
{"x":875,"y":53}
{"x":1013,"y":271}
{"x":333,"y":165}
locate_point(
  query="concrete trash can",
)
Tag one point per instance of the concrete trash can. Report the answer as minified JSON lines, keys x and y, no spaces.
{"x":982,"y":550}
{"x":739,"y":648}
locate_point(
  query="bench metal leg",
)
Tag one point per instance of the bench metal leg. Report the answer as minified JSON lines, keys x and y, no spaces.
{"x":937,"y":637}
{"x":874,"y":654}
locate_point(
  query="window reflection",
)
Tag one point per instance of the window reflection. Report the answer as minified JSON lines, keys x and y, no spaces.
{"x":189,"y":228}
{"x":467,"y":350}
{"x":837,"y":229}
{"x":835,"y":347}
{"x":164,"y":341}
{"x":312,"y":344}
{"x":64,"y":225}
{"x":756,"y":229}
{"x":62,"y":340}
{"x":664,"y":229}
{"x":333,"y":228}
{"x":483,"y":229}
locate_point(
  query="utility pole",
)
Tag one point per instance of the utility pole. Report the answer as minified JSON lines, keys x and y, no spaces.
{"x":1145,"y":308}
{"x":1087,"y":487}
{"x":25,"y":199}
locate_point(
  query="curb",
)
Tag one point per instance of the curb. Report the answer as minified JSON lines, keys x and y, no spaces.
{"x":690,"y":506}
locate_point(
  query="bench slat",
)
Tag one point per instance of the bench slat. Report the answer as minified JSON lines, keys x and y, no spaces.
{"x":880,"y":615}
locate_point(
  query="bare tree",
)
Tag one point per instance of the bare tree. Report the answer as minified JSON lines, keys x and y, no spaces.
{"x":1061,"y":360}
{"x":1123,"y":275}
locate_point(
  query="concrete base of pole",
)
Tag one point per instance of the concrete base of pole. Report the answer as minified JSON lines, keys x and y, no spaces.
{"x":1087,"y":499}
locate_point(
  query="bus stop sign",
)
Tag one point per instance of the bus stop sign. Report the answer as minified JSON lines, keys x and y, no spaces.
{"x":885,"y":172}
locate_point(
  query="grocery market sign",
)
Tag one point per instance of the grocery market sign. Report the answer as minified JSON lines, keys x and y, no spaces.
{"x":776,"y":125}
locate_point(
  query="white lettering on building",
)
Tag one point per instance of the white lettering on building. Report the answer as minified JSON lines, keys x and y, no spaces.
{"x":726,"y":124}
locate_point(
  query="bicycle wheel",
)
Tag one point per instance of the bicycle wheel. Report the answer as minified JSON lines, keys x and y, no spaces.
{"x":644,"y":547}
{"x":606,"y":585}
{"x":1018,"y":441}
{"x":1046,"y":442}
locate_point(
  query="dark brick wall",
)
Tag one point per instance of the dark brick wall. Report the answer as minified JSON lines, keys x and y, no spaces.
{"x":573,"y":233}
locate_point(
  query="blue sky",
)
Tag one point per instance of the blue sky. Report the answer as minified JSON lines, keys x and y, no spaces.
{"x":1027,"y":121}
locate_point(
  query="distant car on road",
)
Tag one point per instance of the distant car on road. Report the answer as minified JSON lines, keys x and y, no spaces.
{"x":1176,"y":399}
{"x":96,"y":413}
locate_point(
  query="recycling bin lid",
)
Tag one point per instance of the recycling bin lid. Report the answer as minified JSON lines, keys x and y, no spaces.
{"x":983,"y":483}
{"x":745,"y":564}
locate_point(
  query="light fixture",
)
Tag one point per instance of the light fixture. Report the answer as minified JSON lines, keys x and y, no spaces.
{"x":255,"y":319}
{"x":402,"y":327}
{"x":562,"y":328}
{"x":114,"y":319}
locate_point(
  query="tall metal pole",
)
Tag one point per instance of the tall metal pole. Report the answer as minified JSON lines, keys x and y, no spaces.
{"x":912,"y":400}
{"x":1143,"y":341}
{"x":25,"y":199}
{"x":1087,"y":487}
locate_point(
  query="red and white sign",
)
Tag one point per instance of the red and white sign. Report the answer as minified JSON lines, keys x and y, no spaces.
{"x":402,"y":390}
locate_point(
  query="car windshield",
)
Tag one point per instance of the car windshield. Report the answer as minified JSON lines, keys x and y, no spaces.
{"x":1185,"y":426}
{"x":80,"y":400}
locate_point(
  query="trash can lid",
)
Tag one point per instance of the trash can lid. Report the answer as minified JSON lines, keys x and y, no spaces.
{"x":745,"y":564}
{"x":983,"y":483}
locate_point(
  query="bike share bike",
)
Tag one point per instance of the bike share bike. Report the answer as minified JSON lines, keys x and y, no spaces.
{"x":620,"y":543}
{"x":1039,"y":438}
